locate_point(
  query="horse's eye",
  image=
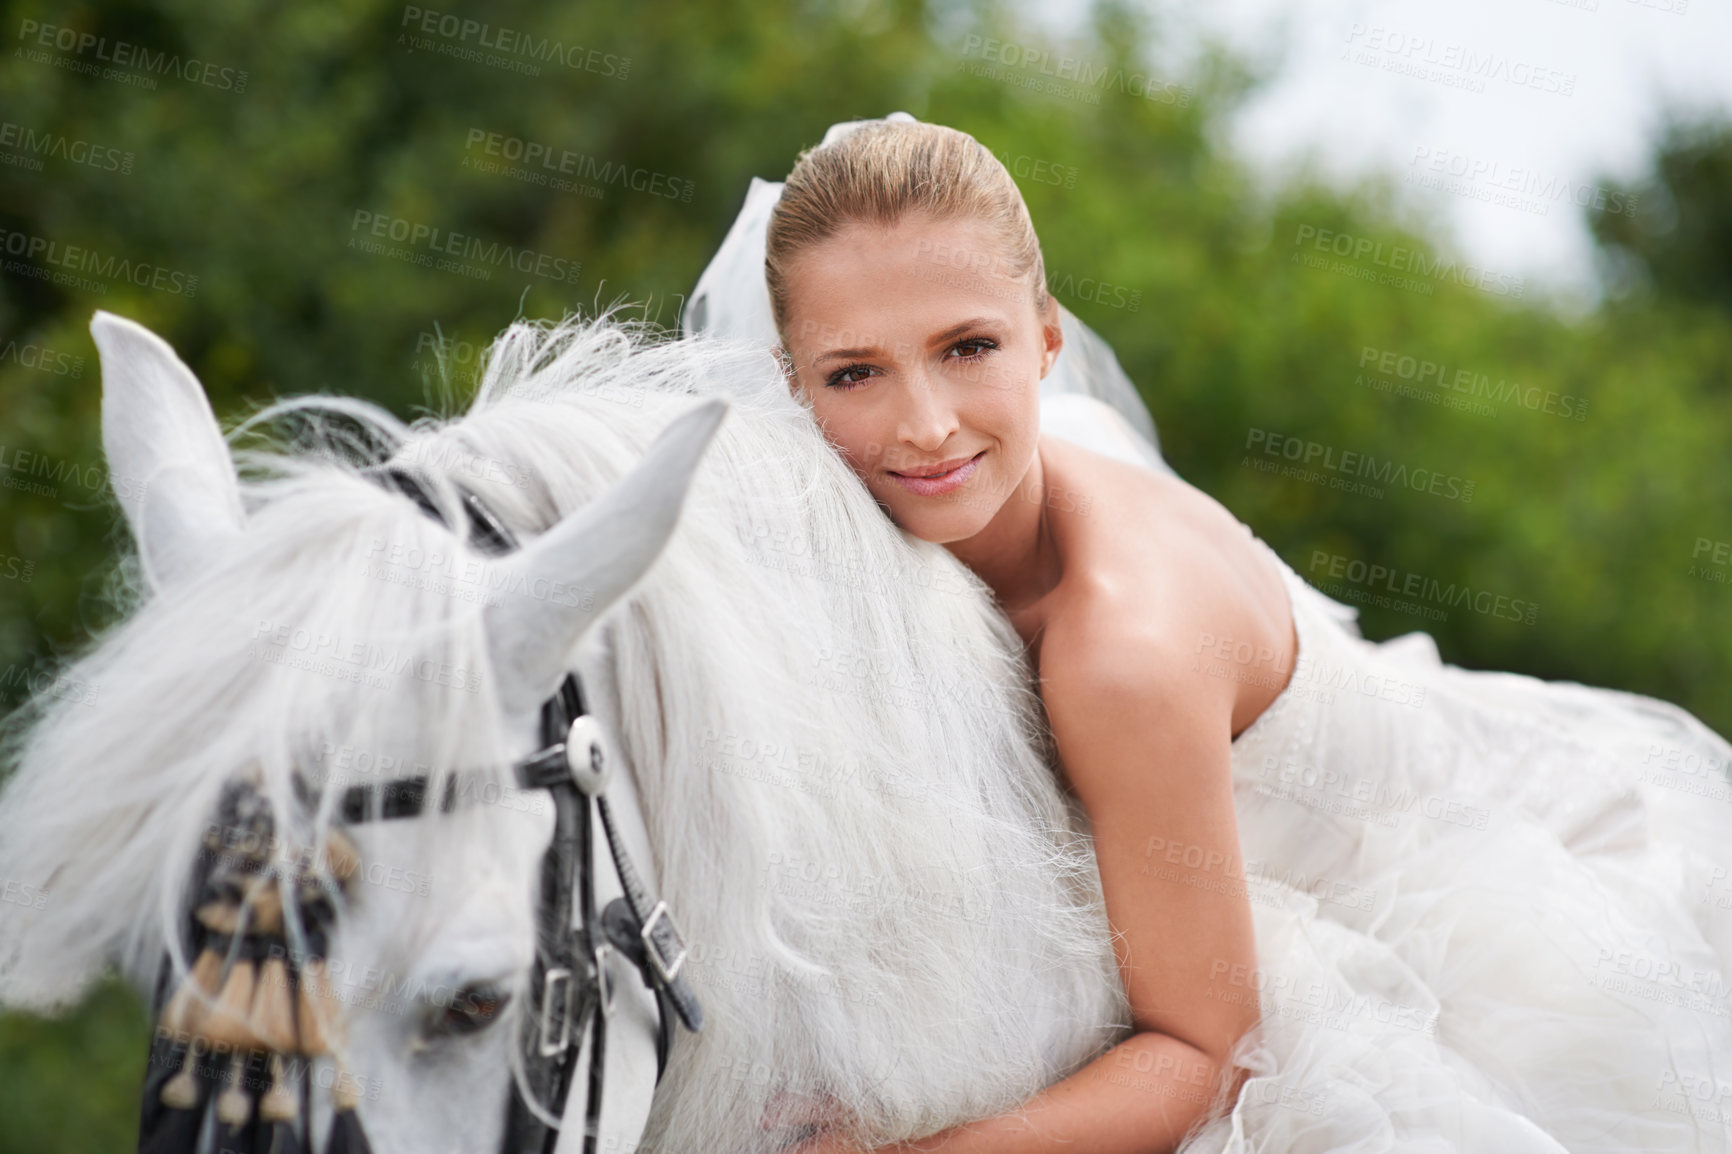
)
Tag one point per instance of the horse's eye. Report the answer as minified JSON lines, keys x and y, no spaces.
{"x":473,"y":1009}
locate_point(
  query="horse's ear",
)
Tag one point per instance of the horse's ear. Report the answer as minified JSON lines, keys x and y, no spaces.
{"x":167,"y":460}
{"x":566,"y":578}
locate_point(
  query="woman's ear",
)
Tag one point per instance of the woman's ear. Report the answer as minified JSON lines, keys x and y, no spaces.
{"x":1052,"y":330}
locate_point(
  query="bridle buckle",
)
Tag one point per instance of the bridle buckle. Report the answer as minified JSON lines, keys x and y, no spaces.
{"x":603,"y":979}
{"x":667,"y":970}
{"x":551,"y":979}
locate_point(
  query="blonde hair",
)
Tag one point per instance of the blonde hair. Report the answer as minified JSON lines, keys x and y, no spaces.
{"x":884,"y":169}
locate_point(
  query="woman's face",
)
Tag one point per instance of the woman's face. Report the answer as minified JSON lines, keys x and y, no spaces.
{"x":922,"y":357}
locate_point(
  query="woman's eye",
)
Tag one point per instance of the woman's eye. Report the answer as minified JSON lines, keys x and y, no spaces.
{"x":475,"y":1008}
{"x":851,"y":375}
{"x":844,"y":378}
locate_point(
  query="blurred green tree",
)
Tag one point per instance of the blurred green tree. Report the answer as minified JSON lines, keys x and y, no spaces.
{"x":1679,"y":243}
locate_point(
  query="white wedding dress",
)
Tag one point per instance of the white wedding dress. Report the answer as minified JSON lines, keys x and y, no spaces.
{"x":1493,"y":913}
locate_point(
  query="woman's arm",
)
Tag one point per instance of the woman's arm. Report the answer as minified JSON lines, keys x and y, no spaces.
{"x":1141,"y":1095}
{"x":1146,"y":745}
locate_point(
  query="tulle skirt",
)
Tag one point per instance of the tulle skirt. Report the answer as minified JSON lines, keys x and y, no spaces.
{"x":1493,"y":913}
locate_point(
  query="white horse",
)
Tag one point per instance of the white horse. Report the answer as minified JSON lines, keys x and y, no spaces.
{"x":832,"y":768}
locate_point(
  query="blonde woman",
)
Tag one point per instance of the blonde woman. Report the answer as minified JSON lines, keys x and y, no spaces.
{"x":1362,"y":898}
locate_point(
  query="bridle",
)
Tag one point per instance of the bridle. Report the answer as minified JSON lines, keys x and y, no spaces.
{"x":272,"y":1001}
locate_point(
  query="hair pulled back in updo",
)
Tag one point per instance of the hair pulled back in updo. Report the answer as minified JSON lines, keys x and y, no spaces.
{"x":883,"y":170}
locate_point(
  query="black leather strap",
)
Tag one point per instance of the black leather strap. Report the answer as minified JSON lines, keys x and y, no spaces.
{"x":487,"y":531}
{"x":665,"y":945}
{"x":626,"y":933}
{"x":563,"y":970}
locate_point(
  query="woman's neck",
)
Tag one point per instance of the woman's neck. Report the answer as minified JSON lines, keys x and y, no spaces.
{"x":1016,"y":554}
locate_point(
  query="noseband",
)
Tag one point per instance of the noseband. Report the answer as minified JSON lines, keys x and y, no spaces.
{"x":231,"y":1059}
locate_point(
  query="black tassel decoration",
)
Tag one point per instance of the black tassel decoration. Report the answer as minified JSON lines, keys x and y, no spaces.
{"x":164,"y":1063}
{"x":238,"y":1126}
{"x":284,"y":1139}
{"x":172,"y":1107}
{"x":174,"y":1132}
{"x":347,"y":1137}
{"x":280,"y":1107}
{"x":176,"y":1074}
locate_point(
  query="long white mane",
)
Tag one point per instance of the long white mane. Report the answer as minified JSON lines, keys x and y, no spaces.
{"x":889,"y":903}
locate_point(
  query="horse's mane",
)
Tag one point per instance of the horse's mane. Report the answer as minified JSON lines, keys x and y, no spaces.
{"x":834,"y":739}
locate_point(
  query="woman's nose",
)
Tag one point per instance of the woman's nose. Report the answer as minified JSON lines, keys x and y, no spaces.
{"x":927,"y":418}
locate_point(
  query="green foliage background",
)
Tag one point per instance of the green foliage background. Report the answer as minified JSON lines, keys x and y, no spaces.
{"x":255,"y":192}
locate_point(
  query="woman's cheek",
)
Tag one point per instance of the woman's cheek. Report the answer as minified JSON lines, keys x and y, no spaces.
{"x":848,"y":441}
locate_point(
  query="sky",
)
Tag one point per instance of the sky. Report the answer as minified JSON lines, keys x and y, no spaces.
{"x":1497,"y":114}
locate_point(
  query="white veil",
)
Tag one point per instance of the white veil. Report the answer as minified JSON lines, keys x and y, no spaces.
{"x":1085,"y":396}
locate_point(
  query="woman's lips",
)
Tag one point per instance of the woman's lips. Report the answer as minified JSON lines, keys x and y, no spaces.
{"x":932,"y":486}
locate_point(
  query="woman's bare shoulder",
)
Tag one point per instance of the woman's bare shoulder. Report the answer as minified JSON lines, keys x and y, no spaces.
{"x":1156,"y":571}
{"x":1147,"y":550}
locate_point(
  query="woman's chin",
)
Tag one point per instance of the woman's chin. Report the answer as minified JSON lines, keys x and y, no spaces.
{"x":939,"y":526}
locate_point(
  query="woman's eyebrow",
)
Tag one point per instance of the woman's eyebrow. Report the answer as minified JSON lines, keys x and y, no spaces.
{"x":833,"y":354}
{"x":958,"y":329}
